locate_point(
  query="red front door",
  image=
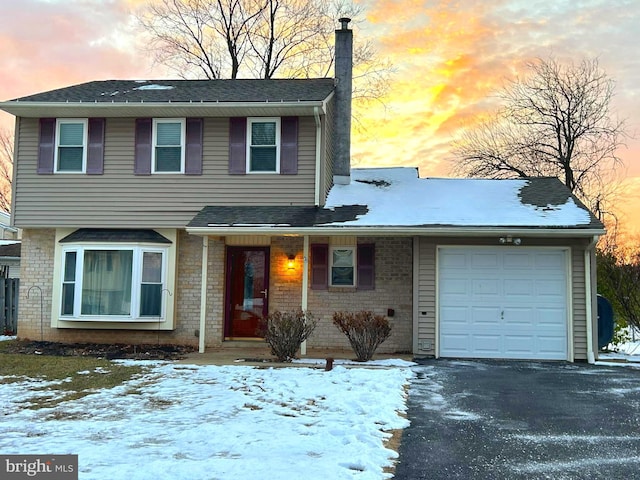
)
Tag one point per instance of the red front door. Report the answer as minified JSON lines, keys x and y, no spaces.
{"x":247,"y":290}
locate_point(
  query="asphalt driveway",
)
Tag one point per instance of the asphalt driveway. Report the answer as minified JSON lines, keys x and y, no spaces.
{"x":512,"y":420}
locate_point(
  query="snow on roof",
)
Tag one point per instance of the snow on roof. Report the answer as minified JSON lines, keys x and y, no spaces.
{"x":397,"y":196}
{"x":154,"y":87}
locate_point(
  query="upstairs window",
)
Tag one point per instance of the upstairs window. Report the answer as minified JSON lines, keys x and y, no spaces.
{"x":71,"y":145}
{"x":263,"y":145}
{"x":168,"y":145}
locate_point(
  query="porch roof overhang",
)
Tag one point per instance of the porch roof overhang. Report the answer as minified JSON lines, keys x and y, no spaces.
{"x":338,"y":221}
{"x":402,"y":231}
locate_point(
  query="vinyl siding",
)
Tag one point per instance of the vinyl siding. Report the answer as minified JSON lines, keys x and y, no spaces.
{"x":327,"y":166}
{"x":120,"y":198}
{"x":426,"y":285}
{"x":426,"y":322}
{"x":579,"y":304}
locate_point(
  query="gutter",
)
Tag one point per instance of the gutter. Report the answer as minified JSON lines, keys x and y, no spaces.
{"x":316,"y":116}
{"x":23,"y":109}
{"x":591,"y":357}
{"x":394,"y":231}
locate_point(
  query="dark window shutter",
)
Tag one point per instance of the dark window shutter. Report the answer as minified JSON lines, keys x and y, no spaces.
{"x":319,"y":266}
{"x":193,"y":152}
{"x":289,"y":145}
{"x":142,"y":162}
{"x":237,"y":145}
{"x":47,"y":145}
{"x":366,"y":266}
{"x":95,"y":150}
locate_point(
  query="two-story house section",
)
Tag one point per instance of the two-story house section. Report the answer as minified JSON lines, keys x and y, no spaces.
{"x":184,"y":211}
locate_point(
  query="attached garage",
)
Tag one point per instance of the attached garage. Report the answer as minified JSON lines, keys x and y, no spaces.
{"x":503,"y":302}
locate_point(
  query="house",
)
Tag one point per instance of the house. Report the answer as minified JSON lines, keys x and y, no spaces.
{"x":183,"y":211}
{"x":9,"y":248}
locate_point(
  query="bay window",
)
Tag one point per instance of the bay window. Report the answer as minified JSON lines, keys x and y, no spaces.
{"x":114,"y":282}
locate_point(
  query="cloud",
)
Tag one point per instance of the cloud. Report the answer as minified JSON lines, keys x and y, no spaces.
{"x":51,"y":44}
{"x":65,"y":43}
{"x":452,"y":56}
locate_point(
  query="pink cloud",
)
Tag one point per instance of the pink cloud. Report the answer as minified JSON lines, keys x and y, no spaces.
{"x":67,"y":43}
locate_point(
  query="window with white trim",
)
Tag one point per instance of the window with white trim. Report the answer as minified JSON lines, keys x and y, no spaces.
{"x":342,"y":271}
{"x":263,"y":145}
{"x":168,"y":145}
{"x":113,"y":282}
{"x":71,"y":145}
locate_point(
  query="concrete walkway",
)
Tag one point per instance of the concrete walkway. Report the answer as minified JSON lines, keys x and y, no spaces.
{"x":259,"y":354}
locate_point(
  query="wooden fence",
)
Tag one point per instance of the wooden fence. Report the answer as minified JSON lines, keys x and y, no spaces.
{"x":9,"y":294}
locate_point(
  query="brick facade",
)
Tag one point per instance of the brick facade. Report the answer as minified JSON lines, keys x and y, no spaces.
{"x":393,"y":290}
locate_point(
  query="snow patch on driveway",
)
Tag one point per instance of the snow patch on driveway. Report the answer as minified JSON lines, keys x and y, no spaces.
{"x":427,"y":386}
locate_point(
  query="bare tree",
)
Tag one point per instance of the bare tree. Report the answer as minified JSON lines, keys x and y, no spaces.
{"x":6,"y":169}
{"x":555,"y":122}
{"x":618,"y":280}
{"x":207,"y":38}
{"x":258,"y":39}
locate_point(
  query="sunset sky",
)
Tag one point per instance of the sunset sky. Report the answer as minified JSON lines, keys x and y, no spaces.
{"x":450,"y":56}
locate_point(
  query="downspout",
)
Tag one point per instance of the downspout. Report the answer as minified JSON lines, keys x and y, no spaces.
{"x":316,"y":115}
{"x":305,"y":285}
{"x":203,"y":293}
{"x":591,"y":357}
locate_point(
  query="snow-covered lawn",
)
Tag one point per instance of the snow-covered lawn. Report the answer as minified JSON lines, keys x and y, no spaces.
{"x":219,"y":422}
{"x":626,"y":354}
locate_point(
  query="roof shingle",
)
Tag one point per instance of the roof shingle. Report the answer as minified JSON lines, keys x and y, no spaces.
{"x":167,"y":91}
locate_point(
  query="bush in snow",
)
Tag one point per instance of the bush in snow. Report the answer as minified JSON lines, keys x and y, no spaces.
{"x":364,"y":330}
{"x":285,"y":332}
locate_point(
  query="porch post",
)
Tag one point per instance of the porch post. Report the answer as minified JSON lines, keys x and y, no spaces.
{"x":305,"y":284}
{"x":203,"y":293}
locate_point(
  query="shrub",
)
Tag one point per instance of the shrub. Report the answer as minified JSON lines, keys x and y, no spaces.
{"x":285,"y":332}
{"x":364,"y":330}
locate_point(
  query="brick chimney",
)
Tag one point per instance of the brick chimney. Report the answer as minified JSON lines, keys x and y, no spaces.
{"x":344,"y":76}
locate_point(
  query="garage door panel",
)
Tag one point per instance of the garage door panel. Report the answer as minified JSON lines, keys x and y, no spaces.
{"x":518,"y":317}
{"x":552,"y":288}
{"x":503,"y":303}
{"x":552,"y":347}
{"x":486,"y":316}
{"x":484,"y":261}
{"x":518,"y":345}
{"x":452,"y":316}
{"x":453,"y":260}
{"x":549,"y":260}
{"x":516,"y":261}
{"x":458,"y":344}
{"x":454,"y":286}
{"x":487,"y":346}
{"x":524,"y":289}
{"x":549,"y":318}
{"x":486,"y":287}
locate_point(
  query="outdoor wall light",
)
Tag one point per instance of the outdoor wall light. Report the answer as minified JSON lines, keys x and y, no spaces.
{"x":291,"y":262}
{"x":509,"y":239}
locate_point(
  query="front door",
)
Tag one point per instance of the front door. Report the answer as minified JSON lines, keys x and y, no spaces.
{"x":247,"y":290}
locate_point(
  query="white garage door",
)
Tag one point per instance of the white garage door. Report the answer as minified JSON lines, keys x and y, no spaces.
{"x":508,"y":302}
